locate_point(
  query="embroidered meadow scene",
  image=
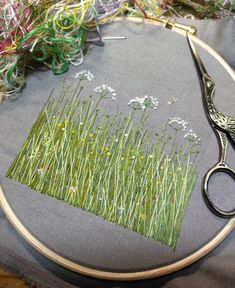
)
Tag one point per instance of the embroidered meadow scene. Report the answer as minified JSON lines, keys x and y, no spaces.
{"x":111,"y":165}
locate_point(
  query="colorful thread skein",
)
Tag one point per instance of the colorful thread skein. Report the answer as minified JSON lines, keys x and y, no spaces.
{"x":47,"y":31}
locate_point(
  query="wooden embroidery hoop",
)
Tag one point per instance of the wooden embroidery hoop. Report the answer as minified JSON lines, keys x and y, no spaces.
{"x":124,"y":276}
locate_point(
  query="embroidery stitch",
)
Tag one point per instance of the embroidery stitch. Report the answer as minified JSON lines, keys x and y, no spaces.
{"x":111,"y":165}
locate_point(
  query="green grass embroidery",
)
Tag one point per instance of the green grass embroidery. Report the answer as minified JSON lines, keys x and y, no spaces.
{"x":110,"y":165}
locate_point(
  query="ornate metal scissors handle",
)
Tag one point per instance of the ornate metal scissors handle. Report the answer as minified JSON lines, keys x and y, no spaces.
{"x":224,"y":127}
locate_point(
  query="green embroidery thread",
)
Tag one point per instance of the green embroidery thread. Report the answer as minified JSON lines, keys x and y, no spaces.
{"x":111,"y":165}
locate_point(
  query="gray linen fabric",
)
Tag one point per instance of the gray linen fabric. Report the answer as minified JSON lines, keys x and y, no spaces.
{"x":151,"y":61}
{"x":219,"y":34}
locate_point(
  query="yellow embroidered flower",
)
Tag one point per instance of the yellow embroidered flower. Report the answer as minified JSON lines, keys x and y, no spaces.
{"x":72,"y":189}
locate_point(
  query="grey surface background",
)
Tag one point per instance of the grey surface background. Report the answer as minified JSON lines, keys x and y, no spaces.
{"x":151,"y":61}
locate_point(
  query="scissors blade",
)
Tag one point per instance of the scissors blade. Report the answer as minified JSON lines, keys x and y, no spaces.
{"x":200,"y":66}
{"x":207,"y":84}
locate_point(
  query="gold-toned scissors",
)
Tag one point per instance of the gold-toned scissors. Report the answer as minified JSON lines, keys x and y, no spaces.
{"x":224,"y":127}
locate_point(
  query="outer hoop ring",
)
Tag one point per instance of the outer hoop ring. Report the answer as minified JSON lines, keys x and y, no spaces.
{"x":128,"y":276}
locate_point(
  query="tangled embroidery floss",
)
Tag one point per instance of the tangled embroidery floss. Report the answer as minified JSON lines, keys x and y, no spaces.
{"x":46,"y":31}
{"x":181,"y":8}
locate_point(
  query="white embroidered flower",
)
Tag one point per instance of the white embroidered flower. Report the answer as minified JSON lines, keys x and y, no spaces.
{"x":143,"y":103}
{"x":136,"y":103}
{"x":106,"y":90}
{"x":150,"y":102}
{"x":192,"y":137}
{"x":177,"y":123}
{"x":85,"y":75}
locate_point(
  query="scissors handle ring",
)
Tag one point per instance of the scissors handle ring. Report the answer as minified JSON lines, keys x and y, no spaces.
{"x":219,"y":167}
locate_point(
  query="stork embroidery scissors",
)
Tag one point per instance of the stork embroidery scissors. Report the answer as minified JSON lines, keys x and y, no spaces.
{"x":224,"y":128}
